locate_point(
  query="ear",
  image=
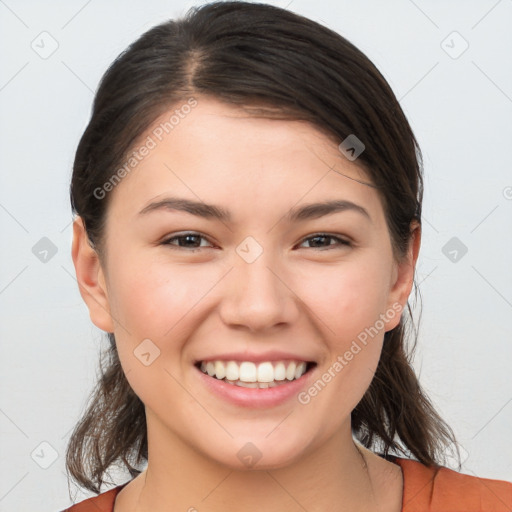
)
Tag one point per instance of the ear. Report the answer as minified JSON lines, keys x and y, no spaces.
{"x":90,"y":278}
{"x":403,"y":277}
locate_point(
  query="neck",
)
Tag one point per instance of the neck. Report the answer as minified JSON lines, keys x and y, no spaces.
{"x":332,"y":477}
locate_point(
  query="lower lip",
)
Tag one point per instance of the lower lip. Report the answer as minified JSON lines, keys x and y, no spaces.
{"x":255,"y":397}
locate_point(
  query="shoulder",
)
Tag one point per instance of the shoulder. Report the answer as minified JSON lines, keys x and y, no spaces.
{"x":445,"y":490}
{"x":104,"y":502}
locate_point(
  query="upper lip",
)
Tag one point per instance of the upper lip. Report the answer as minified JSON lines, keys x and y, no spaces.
{"x":273,"y":356}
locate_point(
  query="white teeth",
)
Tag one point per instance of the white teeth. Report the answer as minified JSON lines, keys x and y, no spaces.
{"x":262,"y":375}
{"x":260,"y":385}
{"x":300,"y":370}
{"x":246,"y":384}
{"x":220,"y":370}
{"x":248,"y":372}
{"x":232,"y":371}
{"x":210,"y":368}
{"x":265,"y":372}
{"x":290,"y":371}
{"x":280,"y":371}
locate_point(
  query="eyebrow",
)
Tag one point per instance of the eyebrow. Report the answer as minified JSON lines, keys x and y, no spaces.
{"x":210,"y":211}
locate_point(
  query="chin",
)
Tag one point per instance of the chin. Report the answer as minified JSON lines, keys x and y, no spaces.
{"x":260,"y":453}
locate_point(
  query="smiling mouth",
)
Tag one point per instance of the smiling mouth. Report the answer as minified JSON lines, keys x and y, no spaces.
{"x":262,"y":375}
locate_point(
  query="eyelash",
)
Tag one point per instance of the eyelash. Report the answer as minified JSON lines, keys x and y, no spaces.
{"x":341,"y":241}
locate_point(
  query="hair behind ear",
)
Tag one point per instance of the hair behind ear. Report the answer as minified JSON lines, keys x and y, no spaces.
{"x":111,"y":430}
{"x":396,"y":412}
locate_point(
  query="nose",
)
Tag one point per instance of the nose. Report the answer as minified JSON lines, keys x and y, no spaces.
{"x":258,"y":296}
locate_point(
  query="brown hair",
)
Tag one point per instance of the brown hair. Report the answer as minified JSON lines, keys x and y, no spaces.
{"x":273,"y":63}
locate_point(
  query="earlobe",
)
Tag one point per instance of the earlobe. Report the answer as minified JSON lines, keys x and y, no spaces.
{"x":90,"y":279}
{"x":404,"y":275}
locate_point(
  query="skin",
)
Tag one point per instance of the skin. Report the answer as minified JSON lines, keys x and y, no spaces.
{"x":312,"y":300}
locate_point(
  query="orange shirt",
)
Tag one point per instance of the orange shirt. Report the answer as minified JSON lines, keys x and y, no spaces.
{"x":425,"y":490}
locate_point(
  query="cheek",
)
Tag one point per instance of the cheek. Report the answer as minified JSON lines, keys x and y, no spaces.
{"x":347,"y":301}
{"x":152,"y":299}
{"x":346,"y":298}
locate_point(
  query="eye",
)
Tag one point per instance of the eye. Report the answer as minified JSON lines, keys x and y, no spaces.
{"x":185,"y":241}
{"x":189,"y":241}
{"x":322,"y":240}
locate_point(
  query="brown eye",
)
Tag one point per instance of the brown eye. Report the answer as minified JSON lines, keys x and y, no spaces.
{"x":185,"y":241}
{"x":323,"y":241}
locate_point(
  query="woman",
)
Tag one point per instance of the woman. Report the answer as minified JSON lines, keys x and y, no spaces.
{"x":248,"y":197}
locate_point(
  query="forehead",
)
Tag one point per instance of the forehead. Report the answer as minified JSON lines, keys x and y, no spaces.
{"x":220,"y":153}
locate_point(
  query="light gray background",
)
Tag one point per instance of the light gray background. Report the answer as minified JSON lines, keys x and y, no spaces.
{"x":460,"y":110}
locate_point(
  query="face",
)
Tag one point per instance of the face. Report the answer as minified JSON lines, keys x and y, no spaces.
{"x":252,"y":284}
